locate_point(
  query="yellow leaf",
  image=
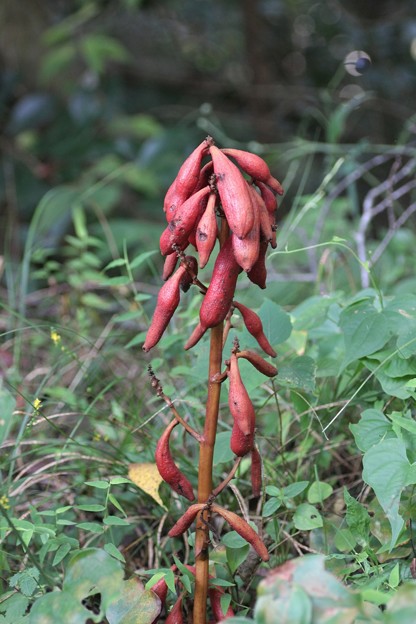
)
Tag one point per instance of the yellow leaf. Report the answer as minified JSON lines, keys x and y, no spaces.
{"x":148,"y":479}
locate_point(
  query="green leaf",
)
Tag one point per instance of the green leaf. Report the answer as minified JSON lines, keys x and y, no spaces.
{"x":116,"y":521}
{"x":307,"y":517}
{"x":236,"y":556}
{"x":99,"y":49}
{"x":294,"y":489}
{"x":388,"y":471}
{"x":69,"y":607}
{"x":101,"y":485}
{"x":94,"y":569}
{"x":365,"y":331}
{"x":112,"y":550}
{"x":93,"y":527}
{"x":357,"y":519}
{"x":319,"y":491}
{"x":61,"y":553}
{"x":91,"y":507}
{"x":372,"y":427}
{"x":222,"y":451}
{"x":26,"y":581}
{"x":119,"y":480}
{"x":271,"y":506}
{"x":276,"y":322}
{"x":298,"y":373}
{"x":7,"y":406}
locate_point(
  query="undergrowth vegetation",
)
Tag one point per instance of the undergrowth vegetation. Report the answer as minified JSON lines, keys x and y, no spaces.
{"x":84,"y":514}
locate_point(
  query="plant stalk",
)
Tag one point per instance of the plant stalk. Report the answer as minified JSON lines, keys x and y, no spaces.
{"x":206,"y":454}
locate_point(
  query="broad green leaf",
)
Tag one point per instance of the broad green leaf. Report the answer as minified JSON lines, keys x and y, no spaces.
{"x":276,"y":322}
{"x":271,"y":506}
{"x":404,"y":423}
{"x":319,"y":491}
{"x":388,"y":471}
{"x":222,"y":451}
{"x":307,"y":517}
{"x":135,"y":605}
{"x":401,"y":608}
{"x":298,"y":373}
{"x":292,"y":607}
{"x":294,"y":489}
{"x":14,"y":607}
{"x":94,"y":569}
{"x":365,"y":331}
{"x":69,"y":607}
{"x":372,"y":427}
{"x":26,"y":582}
{"x":236,"y":556}
{"x":357,"y":518}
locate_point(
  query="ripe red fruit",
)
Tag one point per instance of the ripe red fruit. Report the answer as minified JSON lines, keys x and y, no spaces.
{"x":255,"y":167}
{"x":234,"y":194}
{"x":218,"y":298}
{"x":168,"y":470}
{"x":239,"y":402}
{"x":186,"y":217}
{"x":207,"y":231}
{"x":255,"y":327}
{"x":243,"y":529}
{"x":167,"y":302}
{"x":186,"y":181}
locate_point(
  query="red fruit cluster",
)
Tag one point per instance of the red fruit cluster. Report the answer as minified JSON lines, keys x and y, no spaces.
{"x":198,"y":197}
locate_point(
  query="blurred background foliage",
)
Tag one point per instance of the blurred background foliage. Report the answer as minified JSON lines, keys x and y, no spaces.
{"x":120,"y":91}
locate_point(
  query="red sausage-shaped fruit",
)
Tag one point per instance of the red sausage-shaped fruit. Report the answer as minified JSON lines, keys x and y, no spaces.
{"x":255,"y":167}
{"x":218,"y":298}
{"x":243,"y":529}
{"x":255,"y":327}
{"x":168,"y":470}
{"x":234,"y":195}
{"x":167,"y":302}
{"x":239,"y":402}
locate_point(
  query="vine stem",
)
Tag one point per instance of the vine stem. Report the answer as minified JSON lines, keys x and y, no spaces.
{"x":206,"y":454}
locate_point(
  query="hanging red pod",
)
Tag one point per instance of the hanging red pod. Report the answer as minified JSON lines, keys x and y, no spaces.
{"x":258,"y":273}
{"x":246,"y":250}
{"x":258,"y":362}
{"x":256,"y":472}
{"x":234,"y":195}
{"x":241,"y":444}
{"x":254,"y":325}
{"x":186,"y":520}
{"x":167,"y":302}
{"x":175,"y":614}
{"x":255,"y":167}
{"x":268,"y":196}
{"x":239,"y":402}
{"x":219,"y":296}
{"x":186,"y":180}
{"x":186,"y":217}
{"x":244,"y":529}
{"x":167,"y":468}
{"x":207,"y":231}
{"x":169,"y":265}
{"x":215,"y":594}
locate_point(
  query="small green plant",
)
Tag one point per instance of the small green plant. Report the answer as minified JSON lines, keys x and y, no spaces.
{"x":206,"y":203}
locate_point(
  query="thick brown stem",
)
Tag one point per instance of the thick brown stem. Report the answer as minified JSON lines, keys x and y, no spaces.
{"x":206,"y":454}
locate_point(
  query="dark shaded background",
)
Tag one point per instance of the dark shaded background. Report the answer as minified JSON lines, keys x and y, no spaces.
{"x":89,"y":86}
